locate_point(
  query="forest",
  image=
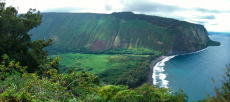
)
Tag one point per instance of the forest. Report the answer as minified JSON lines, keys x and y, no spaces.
{"x":27,"y":74}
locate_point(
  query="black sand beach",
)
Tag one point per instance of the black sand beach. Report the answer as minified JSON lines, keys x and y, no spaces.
{"x":152,"y":64}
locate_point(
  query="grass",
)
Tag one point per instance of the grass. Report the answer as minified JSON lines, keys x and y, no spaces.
{"x":96,"y":63}
{"x":135,"y":51}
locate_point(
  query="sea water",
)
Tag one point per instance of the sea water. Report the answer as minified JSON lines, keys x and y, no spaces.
{"x":159,"y":73}
{"x":196,"y":73}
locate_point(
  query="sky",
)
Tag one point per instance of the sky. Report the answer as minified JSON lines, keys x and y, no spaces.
{"x":213,"y":14}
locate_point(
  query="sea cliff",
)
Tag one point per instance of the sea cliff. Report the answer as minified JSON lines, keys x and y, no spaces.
{"x":121,"y":32}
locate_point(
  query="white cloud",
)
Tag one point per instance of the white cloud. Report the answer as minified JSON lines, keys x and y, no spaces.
{"x":114,"y":5}
{"x":213,"y":14}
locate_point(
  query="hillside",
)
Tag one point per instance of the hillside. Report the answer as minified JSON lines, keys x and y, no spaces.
{"x":27,"y":74}
{"x":122,"y":32}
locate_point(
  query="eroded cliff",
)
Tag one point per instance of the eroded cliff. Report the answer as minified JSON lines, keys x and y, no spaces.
{"x":122,"y":32}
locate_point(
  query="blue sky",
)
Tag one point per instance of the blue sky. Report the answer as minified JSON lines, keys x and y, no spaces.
{"x":213,"y":14}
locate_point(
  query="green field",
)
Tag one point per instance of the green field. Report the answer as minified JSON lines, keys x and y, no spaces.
{"x":120,"y":69}
{"x":96,"y":63}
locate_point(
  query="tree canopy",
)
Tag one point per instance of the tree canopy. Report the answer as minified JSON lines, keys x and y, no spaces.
{"x":26,"y":74}
{"x":15,"y":40}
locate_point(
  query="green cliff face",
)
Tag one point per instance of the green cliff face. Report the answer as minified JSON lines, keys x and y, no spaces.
{"x":123,"y":32}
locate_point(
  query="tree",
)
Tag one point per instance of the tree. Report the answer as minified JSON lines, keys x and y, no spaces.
{"x":223,"y":94}
{"x":15,"y":40}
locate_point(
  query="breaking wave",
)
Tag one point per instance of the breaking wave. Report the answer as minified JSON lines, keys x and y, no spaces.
{"x":159,"y":75}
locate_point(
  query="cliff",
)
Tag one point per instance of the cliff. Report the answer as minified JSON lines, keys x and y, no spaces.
{"x":122,"y":32}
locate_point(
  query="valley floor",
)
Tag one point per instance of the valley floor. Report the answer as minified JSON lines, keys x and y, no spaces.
{"x":121,"y":69}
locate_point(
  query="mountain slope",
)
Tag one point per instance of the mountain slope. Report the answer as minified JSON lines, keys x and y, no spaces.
{"x":122,"y":32}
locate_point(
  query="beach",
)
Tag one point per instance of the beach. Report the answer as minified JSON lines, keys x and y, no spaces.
{"x":152,"y":64}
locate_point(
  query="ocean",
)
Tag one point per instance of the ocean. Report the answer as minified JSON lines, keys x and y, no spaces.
{"x":195,"y":73}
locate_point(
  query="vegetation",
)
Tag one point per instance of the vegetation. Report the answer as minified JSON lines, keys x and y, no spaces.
{"x":223,"y":93}
{"x":120,"y":33}
{"x":21,"y":87}
{"x":214,"y":43}
{"x":26,"y":74}
{"x":16,"y":43}
{"x":96,"y":63}
{"x":121,"y":69}
{"x":131,"y":75}
{"x":134,"y":51}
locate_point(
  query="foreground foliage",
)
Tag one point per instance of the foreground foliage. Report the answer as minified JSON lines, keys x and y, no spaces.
{"x":16,"y":42}
{"x":23,"y":86}
{"x":223,"y":93}
{"x":26,"y":74}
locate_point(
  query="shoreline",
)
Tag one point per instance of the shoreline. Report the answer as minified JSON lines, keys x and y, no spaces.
{"x":158,"y":59}
{"x":152,"y":64}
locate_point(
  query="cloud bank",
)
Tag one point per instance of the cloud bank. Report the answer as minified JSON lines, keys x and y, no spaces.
{"x":212,"y":14}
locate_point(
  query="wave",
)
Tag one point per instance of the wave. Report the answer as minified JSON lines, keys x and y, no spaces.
{"x":194,"y":52}
{"x":159,"y":75}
